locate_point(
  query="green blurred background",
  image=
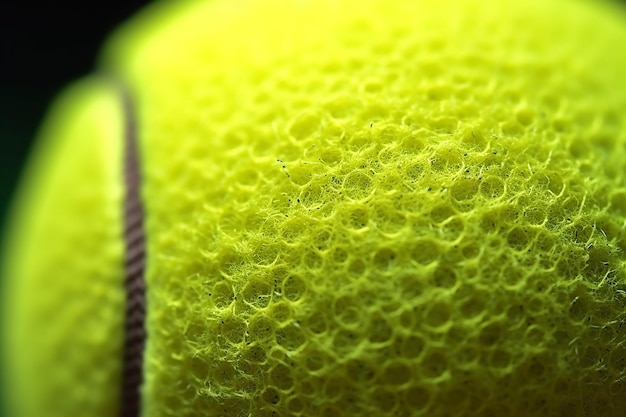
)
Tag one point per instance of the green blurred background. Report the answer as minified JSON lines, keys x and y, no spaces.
{"x":43,"y":47}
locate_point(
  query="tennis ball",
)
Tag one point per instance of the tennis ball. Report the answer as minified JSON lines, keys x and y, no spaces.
{"x":329,"y":208}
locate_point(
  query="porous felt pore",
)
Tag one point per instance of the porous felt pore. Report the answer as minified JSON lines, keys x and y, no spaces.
{"x":379,"y":208}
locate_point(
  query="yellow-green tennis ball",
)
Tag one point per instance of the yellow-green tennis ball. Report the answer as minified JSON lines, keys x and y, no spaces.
{"x":350,"y":208}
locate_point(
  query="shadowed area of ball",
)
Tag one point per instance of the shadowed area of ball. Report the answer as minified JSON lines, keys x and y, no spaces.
{"x":372,"y":208}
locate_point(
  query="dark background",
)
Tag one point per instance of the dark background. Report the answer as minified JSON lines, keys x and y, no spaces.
{"x":43,"y":47}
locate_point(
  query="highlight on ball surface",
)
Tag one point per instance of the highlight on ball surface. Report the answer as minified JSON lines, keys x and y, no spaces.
{"x":329,"y":208}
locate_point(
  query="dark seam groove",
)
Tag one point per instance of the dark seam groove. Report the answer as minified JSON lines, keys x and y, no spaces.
{"x":135,"y":334}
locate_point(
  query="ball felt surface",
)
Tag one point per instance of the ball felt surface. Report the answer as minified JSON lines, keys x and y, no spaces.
{"x":352,"y":208}
{"x":63,"y":307}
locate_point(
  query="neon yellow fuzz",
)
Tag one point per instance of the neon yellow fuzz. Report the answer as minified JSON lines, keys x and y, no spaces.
{"x":352,"y":208}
